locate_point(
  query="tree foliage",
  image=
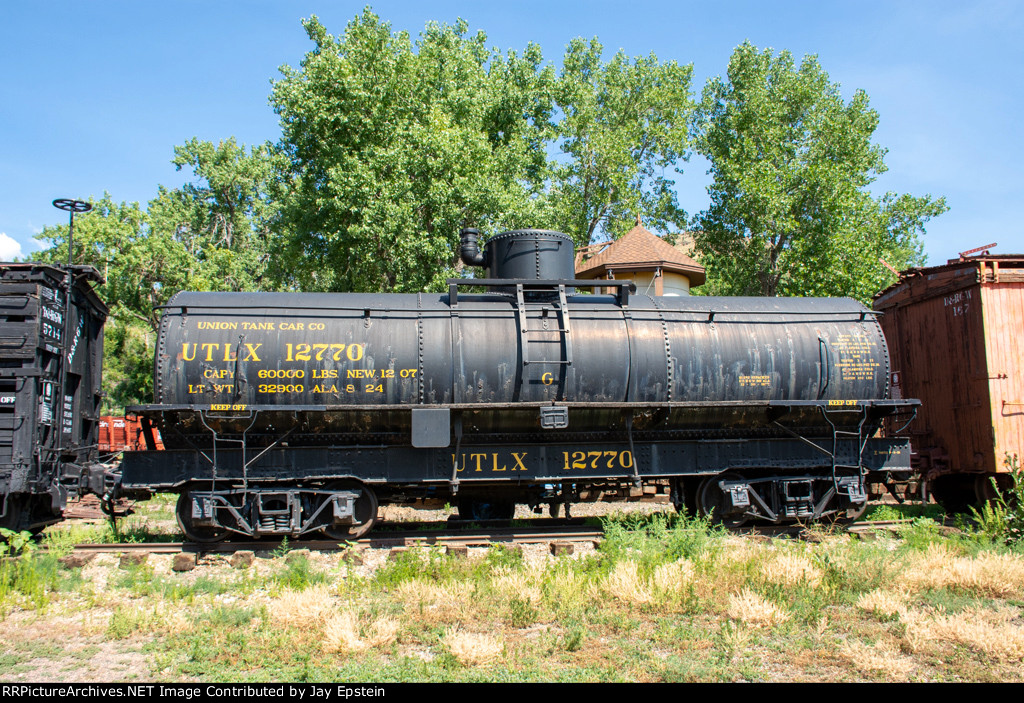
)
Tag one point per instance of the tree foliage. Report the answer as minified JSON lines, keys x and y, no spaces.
{"x":790,"y":212}
{"x":211,"y":234}
{"x":115,"y":239}
{"x":625,"y":128}
{"x":393,"y":147}
{"x":222,"y":216}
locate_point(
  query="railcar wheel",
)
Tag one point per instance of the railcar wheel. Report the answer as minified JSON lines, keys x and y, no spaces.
{"x":195,"y":533}
{"x":17,"y":512}
{"x":712,"y":502}
{"x":477,"y":509}
{"x":954,"y":492}
{"x":365,"y":511}
{"x":986,"y":492}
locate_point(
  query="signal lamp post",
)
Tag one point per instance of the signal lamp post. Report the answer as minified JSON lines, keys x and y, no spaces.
{"x":67,"y":413}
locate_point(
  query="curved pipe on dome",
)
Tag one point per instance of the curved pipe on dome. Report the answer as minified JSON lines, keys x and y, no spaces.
{"x":470,"y":252}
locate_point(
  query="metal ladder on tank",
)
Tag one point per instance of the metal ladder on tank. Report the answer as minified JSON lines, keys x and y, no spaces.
{"x":564,"y":329}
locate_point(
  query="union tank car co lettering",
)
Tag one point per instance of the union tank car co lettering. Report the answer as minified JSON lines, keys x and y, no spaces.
{"x":608,"y":459}
{"x":301,"y":326}
{"x":321,"y":351}
{"x":489,"y":462}
{"x":217,"y":351}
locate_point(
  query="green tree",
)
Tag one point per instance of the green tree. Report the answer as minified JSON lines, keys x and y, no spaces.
{"x":141,"y":272}
{"x":391,"y":148}
{"x":790,"y":212}
{"x":221,"y":216}
{"x":210,"y":234}
{"x":625,"y":128}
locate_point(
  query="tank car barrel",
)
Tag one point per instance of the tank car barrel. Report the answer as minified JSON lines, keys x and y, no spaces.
{"x":750,"y":406}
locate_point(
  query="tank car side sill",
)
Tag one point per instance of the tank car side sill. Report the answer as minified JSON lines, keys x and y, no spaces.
{"x":150,"y":410}
{"x":517,"y":463}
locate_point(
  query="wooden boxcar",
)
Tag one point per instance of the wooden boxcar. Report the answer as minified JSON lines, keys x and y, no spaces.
{"x":956,"y":337}
{"x":119,"y":433}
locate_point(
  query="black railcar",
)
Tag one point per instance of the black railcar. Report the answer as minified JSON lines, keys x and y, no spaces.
{"x":51,"y":355}
{"x":286,"y":414}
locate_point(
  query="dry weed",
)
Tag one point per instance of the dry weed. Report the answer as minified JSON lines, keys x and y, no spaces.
{"x":305,"y":609}
{"x":738,"y":552}
{"x":988,"y":631}
{"x":729,"y":570}
{"x":435,"y":602}
{"x":883,"y":603}
{"x":343,"y":633}
{"x":626,"y":584}
{"x":148,"y":618}
{"x":472,"y":648}
{"x":989,"y":574}
{"x":513,"y":583}
{"x":751,"y":608}
{"x":568,"y":589}
{"x":674,"y":577}
{"x":883,"y":658}
{"x":788,"y":569}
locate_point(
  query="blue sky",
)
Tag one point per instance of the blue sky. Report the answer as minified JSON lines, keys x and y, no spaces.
{"x":96,"y":94}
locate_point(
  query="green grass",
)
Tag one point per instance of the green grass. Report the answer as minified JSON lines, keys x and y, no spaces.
{"x":569,"y":619}
{"x":906,"y":511}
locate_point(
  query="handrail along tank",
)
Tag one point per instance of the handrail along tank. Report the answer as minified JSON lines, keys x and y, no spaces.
{"x":526,"y":392}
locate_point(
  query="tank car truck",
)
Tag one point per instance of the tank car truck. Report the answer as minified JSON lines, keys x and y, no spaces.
{"x":292,"y":414}
{"x":51,"y":355}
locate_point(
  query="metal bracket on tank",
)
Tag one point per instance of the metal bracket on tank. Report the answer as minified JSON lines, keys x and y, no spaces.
{"x":632,"y":452}
{"x":431,"y":427}
{"x":457,"y":427}
{"x":554,"y":417}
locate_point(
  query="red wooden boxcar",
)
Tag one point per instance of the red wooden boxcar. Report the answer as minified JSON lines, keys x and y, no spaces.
{"x":119,"y":433}
{"x":956,"y":335}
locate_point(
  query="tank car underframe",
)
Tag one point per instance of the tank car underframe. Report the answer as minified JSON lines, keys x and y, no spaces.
{"x":786,"y":474}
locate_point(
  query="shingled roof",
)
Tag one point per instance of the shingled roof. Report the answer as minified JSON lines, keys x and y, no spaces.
{"x":640,"y":249}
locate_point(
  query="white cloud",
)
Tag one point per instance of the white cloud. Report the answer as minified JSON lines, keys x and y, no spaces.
{"x":9,"y":248}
